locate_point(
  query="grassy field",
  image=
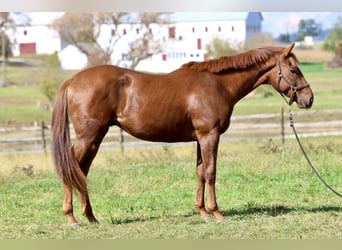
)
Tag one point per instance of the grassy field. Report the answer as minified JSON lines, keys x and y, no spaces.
{"x":22,"y":102}
{"x":265,"y":190}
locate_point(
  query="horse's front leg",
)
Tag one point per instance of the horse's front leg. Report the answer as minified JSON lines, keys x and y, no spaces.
{"x":209,"y":147}
{"x":199,"y":203}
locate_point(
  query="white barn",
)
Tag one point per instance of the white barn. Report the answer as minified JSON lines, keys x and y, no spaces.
{"x":191,"y":31}
{"x":36,"y":40}
{"x":186,"y":37}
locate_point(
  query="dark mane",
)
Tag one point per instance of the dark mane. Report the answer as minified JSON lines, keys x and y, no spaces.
{"x":239,"y":61}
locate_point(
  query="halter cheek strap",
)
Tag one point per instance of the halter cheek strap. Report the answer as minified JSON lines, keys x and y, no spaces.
{"x":294,"y":89}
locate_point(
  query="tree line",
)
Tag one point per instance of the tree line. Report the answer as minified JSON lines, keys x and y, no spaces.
{"x":309,"y":27}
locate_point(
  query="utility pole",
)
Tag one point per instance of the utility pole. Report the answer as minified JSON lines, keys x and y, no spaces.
{"x":3,"y":52}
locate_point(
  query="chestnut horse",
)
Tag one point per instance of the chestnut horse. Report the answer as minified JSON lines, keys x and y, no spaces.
{"x":192,"y":103}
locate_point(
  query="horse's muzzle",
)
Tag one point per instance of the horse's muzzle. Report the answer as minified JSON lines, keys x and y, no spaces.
{"x":305,"y":103}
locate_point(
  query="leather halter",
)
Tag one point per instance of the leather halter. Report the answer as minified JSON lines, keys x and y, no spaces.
{"x":294,"y":89}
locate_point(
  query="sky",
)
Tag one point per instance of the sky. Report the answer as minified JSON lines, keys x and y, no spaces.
{"x":278,"y":23}
{"x":275,"y":23}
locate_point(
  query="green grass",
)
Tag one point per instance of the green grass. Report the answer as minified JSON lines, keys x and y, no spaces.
{"x":22,"y":101}
{"x":23,"y":105}
{"x":265,"y":190}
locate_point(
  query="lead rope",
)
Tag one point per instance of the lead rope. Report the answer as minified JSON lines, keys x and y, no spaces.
{"x":307,"y":158}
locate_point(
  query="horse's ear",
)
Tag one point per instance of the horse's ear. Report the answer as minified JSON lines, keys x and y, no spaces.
{"x":289,"y":49}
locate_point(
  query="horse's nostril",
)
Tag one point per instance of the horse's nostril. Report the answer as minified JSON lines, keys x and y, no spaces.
{"x":310,"y":101}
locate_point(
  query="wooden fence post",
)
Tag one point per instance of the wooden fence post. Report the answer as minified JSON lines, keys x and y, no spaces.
{"x":121,"y":140}
{"x":43,"y":127}
{"x":282,"y":127}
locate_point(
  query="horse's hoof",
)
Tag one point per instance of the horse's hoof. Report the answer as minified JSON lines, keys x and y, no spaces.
{"x":75,"y":225}
{"x":221,"y":220}
{"x":207,"y":219}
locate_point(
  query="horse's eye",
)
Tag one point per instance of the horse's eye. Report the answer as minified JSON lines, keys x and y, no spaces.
{"x":294,"y":71}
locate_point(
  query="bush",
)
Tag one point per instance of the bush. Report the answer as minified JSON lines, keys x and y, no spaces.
{"x":219,"y":46}
{"x":49,"y":80}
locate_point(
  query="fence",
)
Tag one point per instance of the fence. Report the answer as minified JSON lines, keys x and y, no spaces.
{"x":250,"y":127}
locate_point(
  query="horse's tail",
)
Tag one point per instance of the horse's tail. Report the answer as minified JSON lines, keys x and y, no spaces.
{"x":66,"y":164}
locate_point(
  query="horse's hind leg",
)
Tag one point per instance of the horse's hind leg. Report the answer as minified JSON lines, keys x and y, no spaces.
{"x":86,"y":154}
{"x":67,"y":206}
{"x":85,"y":149}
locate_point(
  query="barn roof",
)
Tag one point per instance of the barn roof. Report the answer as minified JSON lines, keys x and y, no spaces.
{"x":207,"y":16}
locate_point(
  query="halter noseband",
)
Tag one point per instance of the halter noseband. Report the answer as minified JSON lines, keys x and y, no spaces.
{"x":294,"y":89}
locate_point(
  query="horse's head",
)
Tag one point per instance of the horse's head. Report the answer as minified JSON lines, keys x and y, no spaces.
{"x":289,"y":80}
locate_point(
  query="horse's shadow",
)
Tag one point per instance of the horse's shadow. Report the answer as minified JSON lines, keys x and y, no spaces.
{"x":276,"y":210}
{"x":248,"y":210}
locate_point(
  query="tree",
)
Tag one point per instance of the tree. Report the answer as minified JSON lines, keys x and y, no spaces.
{"x":84,"y":30}
{"x":308,"y":27}
{"x":284,"y":38}
{"x":288,"y":35}
{"x":50,"y":77}
{"x":219,"y":46}
{"x":8,"y":20}
{"x":333,"y":41}
{"x":11,"y":19}
{"x":4,"y":20}
{"x":7,"y":42}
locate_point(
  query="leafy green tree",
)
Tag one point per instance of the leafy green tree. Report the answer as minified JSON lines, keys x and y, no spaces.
{"x":284,"y":38}
{"x":308,"y":27}
{"x":333,"y":41}
{"x":50,"y":77}
{"x":8,"y":50}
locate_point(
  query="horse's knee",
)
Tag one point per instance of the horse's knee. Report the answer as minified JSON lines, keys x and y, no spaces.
{"x":200,"y":172}
{"x":210,"y":176}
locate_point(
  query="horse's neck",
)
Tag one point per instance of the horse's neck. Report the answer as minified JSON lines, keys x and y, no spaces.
{"x":241,"y":83}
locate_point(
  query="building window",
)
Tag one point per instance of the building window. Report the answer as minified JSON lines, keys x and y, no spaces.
{"x":233,"y":28}
{"x":219,"y":29}
{"x":206,"y":29}
{"x":199,"y":43}
{"x":193,"y":29}
{"x":172,"y":32}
